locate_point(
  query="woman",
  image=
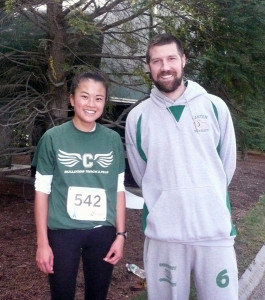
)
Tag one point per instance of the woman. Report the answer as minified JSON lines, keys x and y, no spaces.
{"x":79,"y":198}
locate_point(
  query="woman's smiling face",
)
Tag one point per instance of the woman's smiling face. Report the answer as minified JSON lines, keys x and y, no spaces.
{"x":88,"y":101}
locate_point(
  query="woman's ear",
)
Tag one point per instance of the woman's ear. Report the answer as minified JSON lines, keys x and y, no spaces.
{"x":72,"y":101}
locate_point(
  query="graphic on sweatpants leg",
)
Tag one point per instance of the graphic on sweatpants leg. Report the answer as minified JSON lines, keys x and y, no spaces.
{"x":222,"y":279}
{"x":168,"y":273}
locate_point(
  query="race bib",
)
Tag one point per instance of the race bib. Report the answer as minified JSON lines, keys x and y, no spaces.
{"x":87,"y":204}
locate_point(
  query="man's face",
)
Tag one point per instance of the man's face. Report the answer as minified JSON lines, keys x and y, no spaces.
{"x":166,"y":67}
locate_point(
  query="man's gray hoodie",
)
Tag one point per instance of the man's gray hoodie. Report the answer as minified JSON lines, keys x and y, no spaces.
{"x":183,"y":156}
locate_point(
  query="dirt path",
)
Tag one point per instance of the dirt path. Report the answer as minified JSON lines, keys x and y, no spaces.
{"x":20,"y":279}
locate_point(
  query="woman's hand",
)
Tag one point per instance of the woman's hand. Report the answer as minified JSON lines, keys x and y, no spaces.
{"x":115,"y":253}
{"x":44,"y":259}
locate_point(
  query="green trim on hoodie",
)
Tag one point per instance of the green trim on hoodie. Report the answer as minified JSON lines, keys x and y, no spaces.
{"x":139,"y":139}
{"x":233,"y":229}
{"x":216,"y":114}
{"x":144,"y":216}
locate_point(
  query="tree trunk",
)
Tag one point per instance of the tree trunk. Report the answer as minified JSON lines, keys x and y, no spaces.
{"x":57,"y":59}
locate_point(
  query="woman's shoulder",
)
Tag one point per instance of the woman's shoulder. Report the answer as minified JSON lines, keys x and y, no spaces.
{"x":103,"y":129}
{"x":58,"y":129}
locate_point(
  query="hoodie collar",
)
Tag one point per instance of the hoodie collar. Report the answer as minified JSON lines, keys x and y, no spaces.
{"x":192,"y":91}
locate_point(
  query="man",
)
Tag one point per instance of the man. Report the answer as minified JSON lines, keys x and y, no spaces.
{"x":182,"y":153}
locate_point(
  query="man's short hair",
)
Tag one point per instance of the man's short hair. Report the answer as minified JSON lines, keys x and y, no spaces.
{"x":161,"y":40}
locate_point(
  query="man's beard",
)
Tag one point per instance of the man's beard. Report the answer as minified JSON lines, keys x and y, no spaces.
{"x":168,"y":87}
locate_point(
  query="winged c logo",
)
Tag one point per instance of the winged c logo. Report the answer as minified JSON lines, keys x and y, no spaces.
{"x":88,"y":159}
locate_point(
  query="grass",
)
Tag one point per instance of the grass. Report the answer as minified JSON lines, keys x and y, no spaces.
{"x":250,"y":238}
{"x":250,"y":235}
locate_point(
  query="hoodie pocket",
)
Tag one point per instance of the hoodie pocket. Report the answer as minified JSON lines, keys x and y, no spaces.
{"x":189,"y":214}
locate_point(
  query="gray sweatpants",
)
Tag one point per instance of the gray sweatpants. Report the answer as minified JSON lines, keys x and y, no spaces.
{"x":168,"y":267}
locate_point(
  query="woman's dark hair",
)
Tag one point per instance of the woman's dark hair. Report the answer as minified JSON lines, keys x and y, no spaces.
{"x":161,"y":40}
{"x":88,"y":75}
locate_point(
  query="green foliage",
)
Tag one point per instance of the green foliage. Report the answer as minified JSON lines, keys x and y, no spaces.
{"x":234,"y":70}
{"x":9,"y":5}
{"x":225,"y":48}
{"x":142,"y":296}
{"x":40,"y":52}
{"x":81,"y":22}
{"x":250,"y":129}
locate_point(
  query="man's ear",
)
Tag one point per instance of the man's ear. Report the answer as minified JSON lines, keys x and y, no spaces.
{"x":184,"y":60}
{"x":147,"y":68}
